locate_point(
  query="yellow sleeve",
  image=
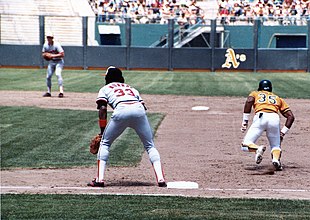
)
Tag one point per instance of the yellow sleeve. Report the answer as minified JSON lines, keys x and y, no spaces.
{"x":253,"y":94}
{"x":284,"y":107}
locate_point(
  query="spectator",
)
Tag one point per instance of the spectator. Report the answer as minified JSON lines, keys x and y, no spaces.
{"x":182,"y":20}
{"x":224,"y":12}
{"x":293,"y":14}
{"x":101,"y":15}
{"x":286,"y":12}
{"x":110,"y":12}
{"x":165,"y":13}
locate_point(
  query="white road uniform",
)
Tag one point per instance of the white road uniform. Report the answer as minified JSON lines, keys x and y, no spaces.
{"x":55,"y":65}
{"x":128,"y":112}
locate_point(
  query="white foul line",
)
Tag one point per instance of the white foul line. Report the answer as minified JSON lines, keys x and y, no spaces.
{"x":203,"y":189}
{"x":270,"y":190}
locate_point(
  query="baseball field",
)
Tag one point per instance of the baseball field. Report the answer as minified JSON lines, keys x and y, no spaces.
{"x":46,"y":164}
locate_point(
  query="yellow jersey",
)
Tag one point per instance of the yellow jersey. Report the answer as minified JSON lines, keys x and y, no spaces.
{"x":268,"y":102}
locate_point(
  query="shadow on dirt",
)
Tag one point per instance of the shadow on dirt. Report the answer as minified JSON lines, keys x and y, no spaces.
{"x":261,"y":169}
{"x":269,"y":169}
{"x":129,"y":183}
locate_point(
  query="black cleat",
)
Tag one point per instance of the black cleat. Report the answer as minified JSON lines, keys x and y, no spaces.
{"x":162,"y":183}
{"x":47,"y":94}
{"x":277,"y":165}
{"x":93,"y":183}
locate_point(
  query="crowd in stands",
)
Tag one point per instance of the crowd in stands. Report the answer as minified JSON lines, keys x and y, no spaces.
{"x":186,"y":12}
{"x":147,"y":11}
{"x":283,"y":12}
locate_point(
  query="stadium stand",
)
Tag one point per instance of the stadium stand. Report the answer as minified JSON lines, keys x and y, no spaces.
{"x":153,"y":11}
{"x":20,"y":21}
{"x":270,"y":12}
{"x":230,"y":12}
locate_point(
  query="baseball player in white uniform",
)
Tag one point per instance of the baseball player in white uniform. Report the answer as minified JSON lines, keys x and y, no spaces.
{"x":128,"y":111}
{"x":266,"y":106}
{"x":55,"y":53}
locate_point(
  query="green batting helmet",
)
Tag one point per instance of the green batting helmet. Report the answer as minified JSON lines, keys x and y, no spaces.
{"x":265,"y":84}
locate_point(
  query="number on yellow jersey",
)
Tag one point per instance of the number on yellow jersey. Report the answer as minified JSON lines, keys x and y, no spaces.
{"x":268,"y":102}
{"x":267,"y":98}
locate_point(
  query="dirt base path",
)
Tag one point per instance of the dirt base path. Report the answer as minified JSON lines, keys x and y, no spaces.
{"x":198,"y":146}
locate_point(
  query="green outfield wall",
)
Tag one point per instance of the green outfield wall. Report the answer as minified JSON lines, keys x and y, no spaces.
{"x":238,"y":36}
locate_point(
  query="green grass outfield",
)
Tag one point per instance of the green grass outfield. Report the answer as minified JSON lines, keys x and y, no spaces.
{"x":292,"y":85}
{"x":22,"y":130}
{"x":148,"y":207}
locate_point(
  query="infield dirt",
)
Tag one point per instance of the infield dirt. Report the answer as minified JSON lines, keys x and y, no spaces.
{"x":198,"y":146}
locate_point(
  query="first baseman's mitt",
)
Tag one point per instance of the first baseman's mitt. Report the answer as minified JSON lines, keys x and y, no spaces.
{"x":95,"y":144}
{"x":47,"y":56}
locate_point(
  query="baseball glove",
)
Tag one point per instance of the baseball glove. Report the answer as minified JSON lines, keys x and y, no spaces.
{"x":47,"y":56}
{"x":95,"y":144}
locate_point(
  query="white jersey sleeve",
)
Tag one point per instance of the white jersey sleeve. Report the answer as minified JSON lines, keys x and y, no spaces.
{"x":115,"y":93}
{"x":54,"y":49}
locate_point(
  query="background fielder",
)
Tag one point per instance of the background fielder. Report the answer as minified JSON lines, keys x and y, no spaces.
{"x":266,"y":106}
{"x":54,"y":53}
{"x":128,"y":111}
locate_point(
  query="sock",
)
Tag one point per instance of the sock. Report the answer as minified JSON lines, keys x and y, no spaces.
{"x":101,"y":164}
{"x":249,"y":147}
{"x":158,"y":170}
{"x":276,"y":154}
{"x":48,"y":89}
{"x":61,"y":89}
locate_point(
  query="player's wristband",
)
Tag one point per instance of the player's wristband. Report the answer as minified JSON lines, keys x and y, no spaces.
{"x":246,"y":117}
{"x":102,"y":125}
{"x":102,"y":122}
{"x":284,"y":130}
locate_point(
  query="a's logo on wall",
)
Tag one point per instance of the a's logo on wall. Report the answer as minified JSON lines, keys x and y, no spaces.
{"x":232,"y":59}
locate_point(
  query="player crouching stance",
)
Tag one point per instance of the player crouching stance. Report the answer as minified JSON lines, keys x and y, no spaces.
{"x":128,"y":111}
{"x":266,"y":106}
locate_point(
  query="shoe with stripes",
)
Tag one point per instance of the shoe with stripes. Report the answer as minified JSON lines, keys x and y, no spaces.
{"x":277,"y":165}
{"x":259,"y":154}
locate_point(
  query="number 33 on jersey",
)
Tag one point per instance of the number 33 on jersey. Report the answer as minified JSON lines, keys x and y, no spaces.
{"x":115,"y":93}
{"x":268,"y":102}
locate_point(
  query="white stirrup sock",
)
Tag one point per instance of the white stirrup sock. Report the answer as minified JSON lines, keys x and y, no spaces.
{"x":101,"y":170}
{"x":158,"y":170}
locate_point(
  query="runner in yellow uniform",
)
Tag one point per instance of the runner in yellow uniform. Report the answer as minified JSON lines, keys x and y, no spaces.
{"x":266,"y":106}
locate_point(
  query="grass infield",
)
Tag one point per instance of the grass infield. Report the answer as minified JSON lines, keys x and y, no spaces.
{"x":34,"y":139}
{"x":44,"y":138}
